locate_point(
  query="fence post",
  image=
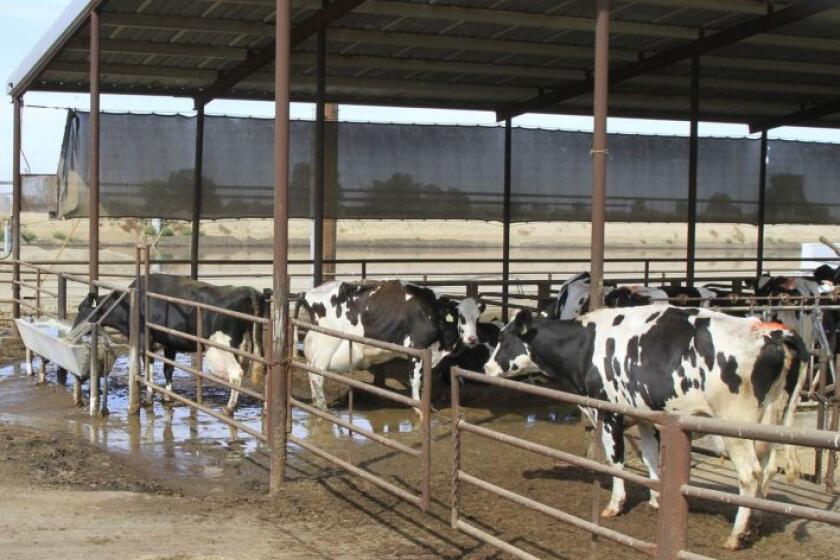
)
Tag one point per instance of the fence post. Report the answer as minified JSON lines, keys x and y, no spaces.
{"x":675,"y":463}
{"x":647,"y":272}
{"x":38,"y":294}
{"x":199,"y":382}
{"x":456,"y":446}
{"x":426,"y":431}
{"x":834,"y":424}
{"x":62,"y":297}
{"x":543,"y":291}
{"x":364,"y":270}
{"x":134,"y":349}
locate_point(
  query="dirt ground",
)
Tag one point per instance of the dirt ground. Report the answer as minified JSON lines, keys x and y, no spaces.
{"x":165,"y":486}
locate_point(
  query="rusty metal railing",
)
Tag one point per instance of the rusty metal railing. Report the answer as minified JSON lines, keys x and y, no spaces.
{"x":461,"y":477}
{"x":423,"y":405}
{"x":674,"y":486}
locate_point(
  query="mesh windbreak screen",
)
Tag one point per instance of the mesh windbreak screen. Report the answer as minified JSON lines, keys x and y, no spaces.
{"x":389,"y":171}
{"x":803,"y":183}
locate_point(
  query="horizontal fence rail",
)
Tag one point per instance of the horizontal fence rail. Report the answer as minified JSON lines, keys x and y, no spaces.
{"x":674,"y":486}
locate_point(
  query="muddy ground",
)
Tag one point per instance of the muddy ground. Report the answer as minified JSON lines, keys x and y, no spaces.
{"x":163,"y":485}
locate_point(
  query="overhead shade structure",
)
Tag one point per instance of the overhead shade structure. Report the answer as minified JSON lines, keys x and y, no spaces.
{"x":757,"y":66}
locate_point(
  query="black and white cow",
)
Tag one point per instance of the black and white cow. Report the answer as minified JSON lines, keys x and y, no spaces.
{"x":389,"y":311}
{"x":573,"y":297}
{"x":219,"y":328}
{"x":472,"y":359}
{"x":680,"y":360}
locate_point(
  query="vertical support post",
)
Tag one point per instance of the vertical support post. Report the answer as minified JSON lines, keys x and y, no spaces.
{"x":426,"y":432}
{"x":198,"y":183}
{"x":62,"y":296}
{"x":320,"y":148}
{"x":38,"y":281}
{"x":834,"y":425}
{"x":279,"y":370}
{"x":455,"y":386}
{"x":506,"y":221}
{"x":17,"y":197}
{"x":93,"y":172}
{"x":675,"y":453}
{"x":330,"y":189}
{"x":147,"y":345}
{"x":822,"y":405}
{"x":134,"y":340}
{"x":199,"y":351}
{"x":691,"y":241}
{"x":599,"y":152}
{"x":762,"y":206}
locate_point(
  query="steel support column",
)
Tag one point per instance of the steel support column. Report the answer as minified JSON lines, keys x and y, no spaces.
{"x":320,"y":146}
{"x":279,"y":313}
{"x":599,"y":152}
{"x":93,"y":173}
{"x":198,"y":183}
{"x":17,"y":197}
{"x":762,"y":203}
{"x":691,"y":240}
{"x":506,"y":221}
{"x":330,"y":188}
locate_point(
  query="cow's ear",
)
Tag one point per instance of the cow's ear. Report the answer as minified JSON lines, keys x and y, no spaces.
{"x":481,"y":307}
{"x":522,"y":322}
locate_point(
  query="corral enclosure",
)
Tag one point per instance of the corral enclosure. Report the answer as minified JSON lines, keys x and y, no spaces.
{"x":761,"y":64}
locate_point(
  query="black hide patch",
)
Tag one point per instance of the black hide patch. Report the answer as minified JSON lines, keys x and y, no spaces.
{"x":617,"y":320}
{"x":768,"y":366}
{"x":703,"y":342}
{"x":729,"y":372}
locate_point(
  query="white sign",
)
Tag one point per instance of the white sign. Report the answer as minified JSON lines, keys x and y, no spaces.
{"x":816,"y":251}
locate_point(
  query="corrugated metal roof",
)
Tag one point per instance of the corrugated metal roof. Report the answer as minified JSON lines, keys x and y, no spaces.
{"x":479,"y":54}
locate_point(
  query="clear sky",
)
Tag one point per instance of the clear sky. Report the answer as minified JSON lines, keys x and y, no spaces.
{"x":22,"y":23}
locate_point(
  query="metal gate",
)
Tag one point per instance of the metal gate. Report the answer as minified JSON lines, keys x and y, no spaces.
{"x":422,"y":454}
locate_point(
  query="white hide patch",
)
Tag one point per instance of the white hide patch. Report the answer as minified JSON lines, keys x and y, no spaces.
{"x":221,"y":363}
{"x":468,"y":315}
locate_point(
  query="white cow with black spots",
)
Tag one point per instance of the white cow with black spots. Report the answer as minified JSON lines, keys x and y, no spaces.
{"x":679,"y":360}
{"x":388,"y":311}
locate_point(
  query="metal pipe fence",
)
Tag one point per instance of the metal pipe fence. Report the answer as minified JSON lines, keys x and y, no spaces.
{"x":423,"y":405}
{"x":675,"y":470}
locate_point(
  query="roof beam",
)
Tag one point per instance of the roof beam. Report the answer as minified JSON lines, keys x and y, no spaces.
{"x":164,"y":49}
{"x":136,"y":70}
{"x":299,"y":33}
{"x":554,"y":51}
{"x":783,"y":17}
{"x":180,"y":23}
{"x":799,"y":117}
{"x":563,"y":23}
{"x":552,"y":75}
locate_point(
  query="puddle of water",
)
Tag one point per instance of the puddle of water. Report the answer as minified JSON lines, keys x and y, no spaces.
{"x":180,"y":442}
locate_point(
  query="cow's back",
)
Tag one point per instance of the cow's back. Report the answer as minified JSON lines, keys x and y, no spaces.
{"x":689,"y":360}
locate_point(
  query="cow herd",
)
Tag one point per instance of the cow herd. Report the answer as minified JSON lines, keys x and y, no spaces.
{"x":651,"y":348}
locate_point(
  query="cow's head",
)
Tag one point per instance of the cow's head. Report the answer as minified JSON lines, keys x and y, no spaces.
{"x":87,"y":310}
{"x":469,"y":310}
{"x":512,"y":355}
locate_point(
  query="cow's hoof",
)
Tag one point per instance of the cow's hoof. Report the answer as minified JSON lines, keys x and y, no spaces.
{"x":611,"y":511}
{"x":734,"y":542}
{"x":228,"y":411}
{"x":104,"y":413}
{"x":78,"y":404}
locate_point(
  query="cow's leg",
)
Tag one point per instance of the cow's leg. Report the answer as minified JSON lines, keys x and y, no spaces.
{"x":749,"y":471}
{"x":150,"y":377}
{"x":77,"y":391}
{"x":650,"y":456}
{"x":167,"y":371}
{"x":612,"y":437}
{"x":61,"y":376}
{"x":29,"y":371}
{"x":105,"y":388}
{"x":42,"y":372}
{"x":416,"y":378}
{"x":234,"y":375}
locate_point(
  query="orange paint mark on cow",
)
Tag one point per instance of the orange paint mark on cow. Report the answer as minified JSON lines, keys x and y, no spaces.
{"x":769,"y":326}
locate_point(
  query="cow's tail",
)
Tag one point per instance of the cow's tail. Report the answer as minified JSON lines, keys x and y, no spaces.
{"x":794,"y":379}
